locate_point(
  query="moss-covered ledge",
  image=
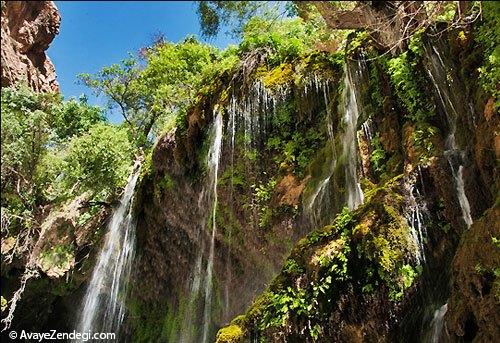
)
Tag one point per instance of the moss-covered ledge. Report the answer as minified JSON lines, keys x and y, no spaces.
{"x":364,"y":258}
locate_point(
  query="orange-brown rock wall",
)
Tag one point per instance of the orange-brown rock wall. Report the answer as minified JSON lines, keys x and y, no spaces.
{"x":28,"y":27}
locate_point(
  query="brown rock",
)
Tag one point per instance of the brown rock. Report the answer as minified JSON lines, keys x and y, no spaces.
{"x":28,"y":27}
{"x":290,"y":189}
{"x":473,"y":310}
{"x":489,"y":109}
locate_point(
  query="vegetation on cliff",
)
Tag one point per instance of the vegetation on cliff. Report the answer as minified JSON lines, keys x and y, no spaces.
{"x":289,"y":254}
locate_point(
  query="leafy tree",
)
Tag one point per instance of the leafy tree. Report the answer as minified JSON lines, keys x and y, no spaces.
{"x":216,"y":14}
{"x":97,"y":162}
{"x":36,"y":127}
{"x":74,"y":117}
{"x":160,"y":89}
{"x":173,"y":75}
{"x":25,"y":133}
{"x":120,"y":82}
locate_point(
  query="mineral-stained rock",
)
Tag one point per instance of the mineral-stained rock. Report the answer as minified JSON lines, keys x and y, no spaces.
{"x":28,"y":27}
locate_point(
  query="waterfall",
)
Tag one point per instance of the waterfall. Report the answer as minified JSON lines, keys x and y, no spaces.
{"x":437,"y":323}
{"x":254,"y":113}
{"x":213,"y":165}
{"x":457,"y":172}
{"x":462,"y":198}
{"x":315,"y":203}
{"x":414,"y":216}
{"x":104,"y":305}
{"x":349,"y":139}
{"x":443,"y":84}
{"x":232,"y":125}
{"x":251,"y":116}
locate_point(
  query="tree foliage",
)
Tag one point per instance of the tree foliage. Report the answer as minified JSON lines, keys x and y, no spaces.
{"x":287,"y":38}
{"x":33,"y":124}
{"x":390,"y":24}
{"x":489,"y":37}
{"x":97,"y":162}
{"x":174,"y":74}
{"x":120,"y":83}
{"x":151,"y":93}
{"x":53,"y":149}
{"x":235,"y":14}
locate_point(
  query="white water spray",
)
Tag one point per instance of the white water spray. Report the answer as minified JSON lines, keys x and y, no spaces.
{"x":437,"y":323}
{"x":213,"y":164}
{"x":349,"y":139}
{"x":415,"y":219}
{"x":443,"y":85}
{"x":104,"y":303}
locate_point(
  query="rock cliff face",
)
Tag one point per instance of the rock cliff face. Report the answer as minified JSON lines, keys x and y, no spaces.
{"x":379,"y":272}
{"x":28,"y":27}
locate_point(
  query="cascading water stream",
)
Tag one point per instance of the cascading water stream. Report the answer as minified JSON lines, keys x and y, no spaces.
{"x":314,"y":204}
{"x":232,"y":125}
{"x":188,"y":331}
{"x":103,"y":305}
{"x":462,"y":197}
{"x":213,"y":164}
{"x":349,"y":153}
{"x":251,"y":116}
{"x":349,"y":139}
{"x":443,"y":84}
{"x":415,"y":218}
{"x":437,"y":323}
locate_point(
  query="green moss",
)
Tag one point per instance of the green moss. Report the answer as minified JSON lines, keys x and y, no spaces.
{"x":166,"y":183}
{"x":57,"y":259}
{"x":234,"y":174}
{"x":239,"y":320}
{"x":294,"y":140}
{"x":256,"y":310}
{"x":367,"y":249}
{"x":378,"y":156}
{"x":488,"y":37}
{"x":359,"y":40}
{"x":292,"y":267}
{"x":276,"y":77}
{"x":495,"y":241}
{"x":375,"y":92}
{"x":407,"y":82}
{"x":406,"y":277}
{"x":229,"y":224}
{"x":149,"y":323}
{"x":230,"y":334}
{"x":423,"y":140}
{"x":3,"y":303}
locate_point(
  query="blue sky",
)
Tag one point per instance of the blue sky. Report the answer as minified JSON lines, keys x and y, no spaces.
{"x":94,"y":34}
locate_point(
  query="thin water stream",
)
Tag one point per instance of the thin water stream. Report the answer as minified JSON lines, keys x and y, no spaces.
{"x":104,"y":302}
{"x":443,"y":84}
{"x":315,"y":204}
{"x":213,"y":164}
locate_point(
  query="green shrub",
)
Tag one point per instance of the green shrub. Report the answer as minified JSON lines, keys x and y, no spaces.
{"x":97,"y":162}
{"x":488,"y":36}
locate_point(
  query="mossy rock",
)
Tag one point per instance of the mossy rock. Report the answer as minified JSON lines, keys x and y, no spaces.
{"x":230,"y":334}
{"x":56,"y":261}
{"x":276,"y":77}
{"x":365,"y":252}
{"x":4,"y":304}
